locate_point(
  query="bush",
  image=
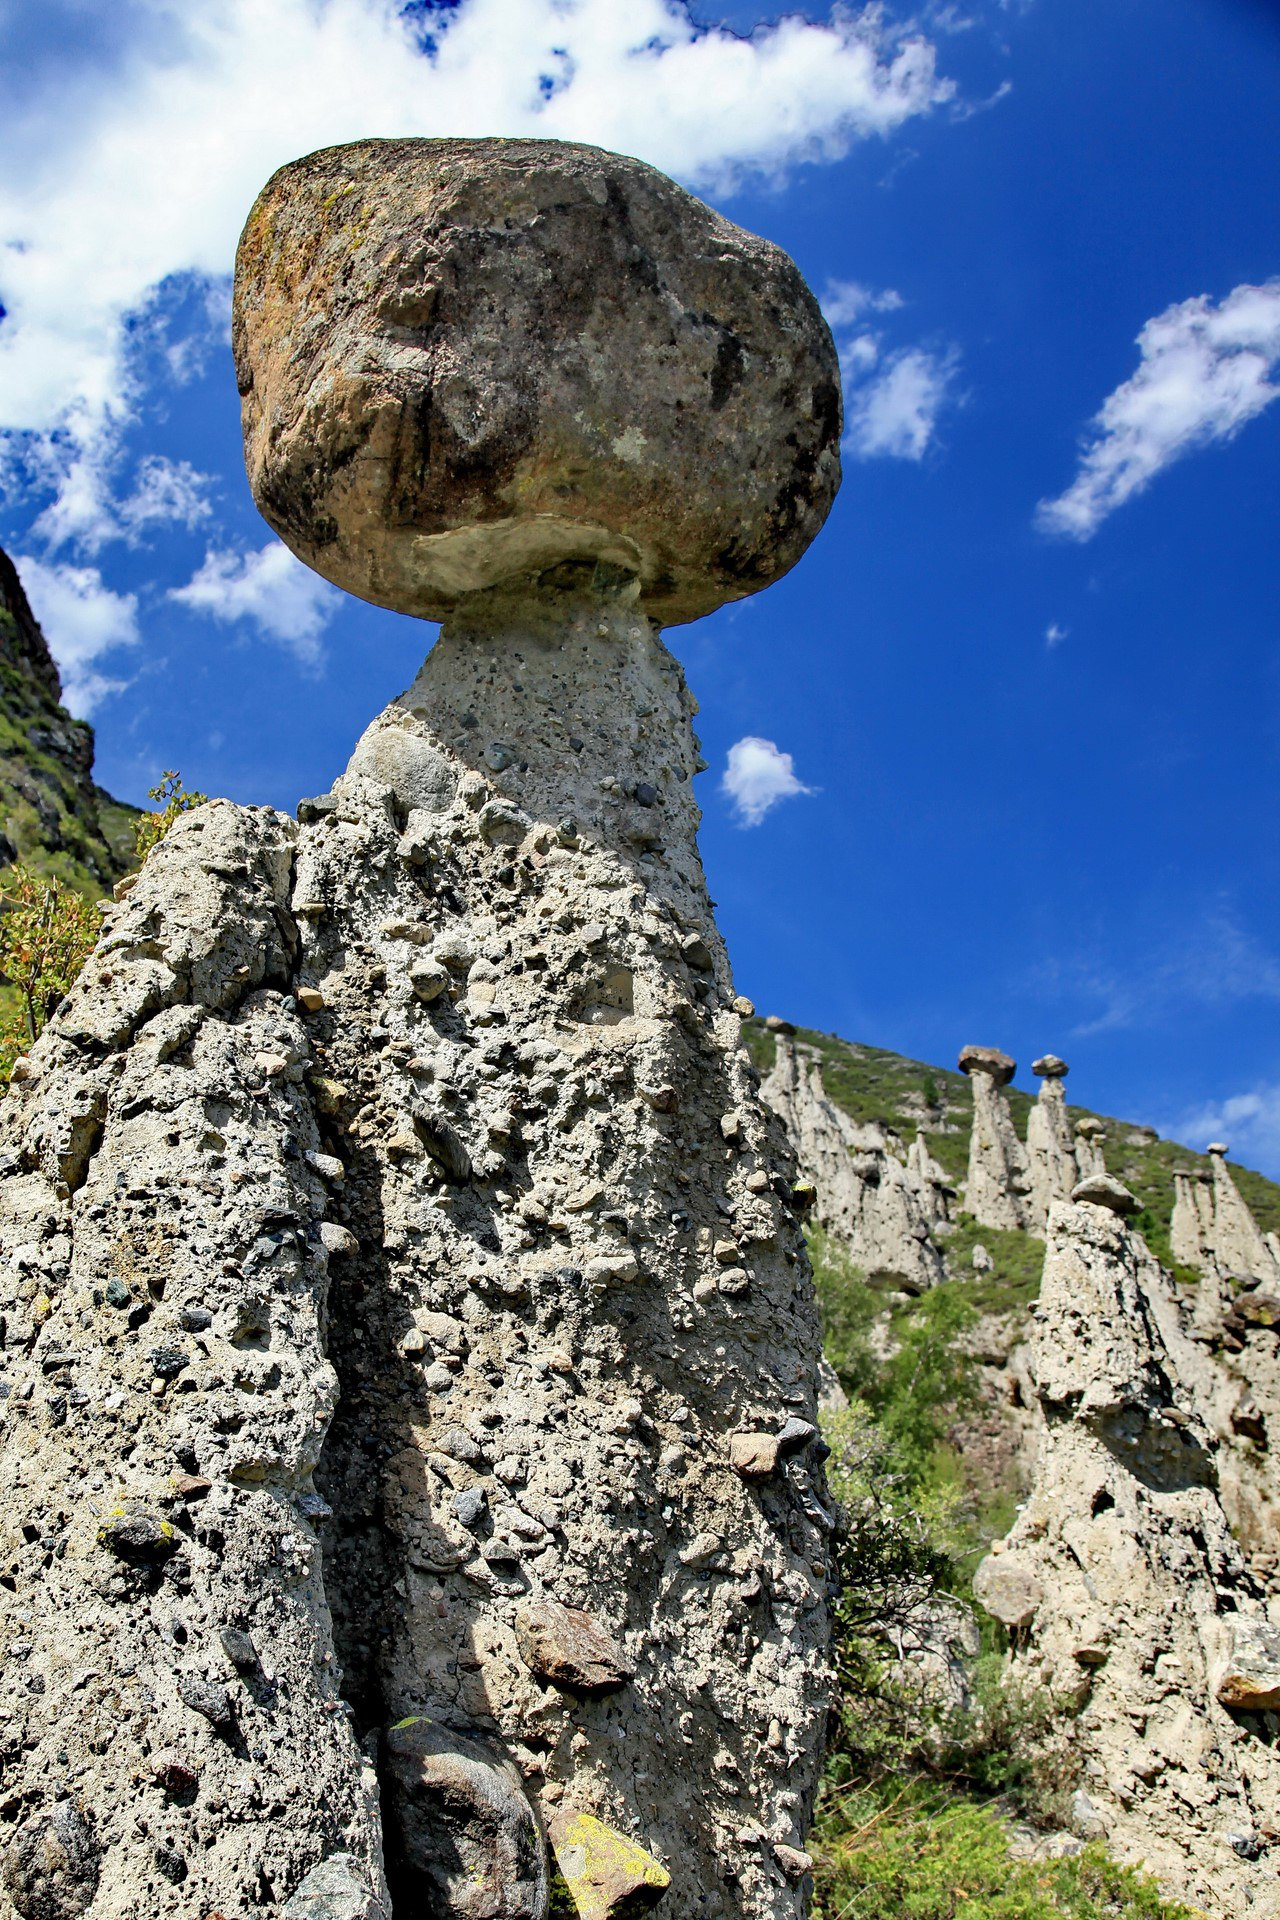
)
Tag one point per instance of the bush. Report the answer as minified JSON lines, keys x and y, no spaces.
{"x":173,"y":801}
{"x":47,"y":932}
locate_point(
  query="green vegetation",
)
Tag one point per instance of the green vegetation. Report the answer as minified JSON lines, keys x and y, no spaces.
{"x":909,"y":1849}
{"x":48,"y":928}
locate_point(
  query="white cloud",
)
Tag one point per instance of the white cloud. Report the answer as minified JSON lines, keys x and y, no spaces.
{"x":82,"y":620}
{"x":166,"y":493}
{"x":1204,"y":372}
{"x":271,"y":590}
{"x":120,"y":184}
{"x":1054,"y":635}
{"x":845,"y":301}
{"x":895,"y":411}
{"x":757,"y":775}
{"x":1249,"y":1122}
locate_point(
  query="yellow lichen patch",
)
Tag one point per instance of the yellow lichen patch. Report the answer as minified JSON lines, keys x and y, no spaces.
{"x":607,"y":1876}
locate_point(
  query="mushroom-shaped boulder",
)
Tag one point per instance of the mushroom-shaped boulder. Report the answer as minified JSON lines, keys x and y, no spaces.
{"x":1050,"y":1067}
{"x":465,"y":362}
{"x":990,"y":1060}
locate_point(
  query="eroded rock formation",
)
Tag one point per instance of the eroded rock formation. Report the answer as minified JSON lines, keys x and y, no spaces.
{"x":998,"y":1188}
{"x":881,"y":1208}
{"x":1050,"y":1150}
{"x":410,"y":1354}
{"x":1127,"y":1595}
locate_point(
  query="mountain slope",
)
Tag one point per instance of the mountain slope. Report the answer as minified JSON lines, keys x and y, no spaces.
{"x":53,"y":816}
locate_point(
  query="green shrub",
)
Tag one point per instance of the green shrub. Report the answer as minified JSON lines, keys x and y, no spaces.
{"x":47,"y":932}
{"x":173,"y":801}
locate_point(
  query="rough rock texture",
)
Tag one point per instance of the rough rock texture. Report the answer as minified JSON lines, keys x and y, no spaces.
{"x":443,"y":1090}
{"x":468,"y":360}
{"x":997,"y":1192}
{"x":1129,"y":1598}
{"x":170,"y":1694}
{"x":1191,"y":1228}
{"x":1050,"y":1149}
{"x":881,"y":1209}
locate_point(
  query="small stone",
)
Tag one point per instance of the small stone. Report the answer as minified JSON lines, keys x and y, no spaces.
{"x":794,"y":1861}
{"x":696,"y":952}
{"x":195,"y":1318}
{"x":139,"y":1536}
{"x":335,"y":1890}
{"x":310,"y":999}
{"x":445,"y":1147}
{"x":607,"y":1875}
{"x":51,"y":1865}
{"x":1105,"y":1191}
{"x":796,"y":1435}
{"x":429,"y":979}
{"x":329,"y":1094}
{"x":663,"y":1099}
{"x":701,"y":1550}
{"x":726,"y":1252}
{"x":167,"y":1362}
{"x":315,"y":808}
{"x":753,"y":1455}
{"x":645,"y":794}
{"x":174,"y":1774}
{"x":757,"y":1182}
{"x":733,"y":1280}
{"x":981,"y":1260}
{"x":239,"y":1649}
{"x":463,"y":1823}
{"x":191,"y":1487}
{"x":270,"y":1065}
{"x":570,"y":1649}
{"x":611,"y":1269}
{"x":328,"y":1166}
{"x":415,"y":1341}
{"x":469,"y":1506}
{"x":731,"y":1126}
{"x":338,"y":1240}
{"x":207,"y":1698}
{"x":594,"y":934}
{"x":458,"y":1444}
{"x":744,"y":1008}
{"x":171,"y":1863}
{"x":117,"y":1294}
{"x":437,"y":1378}
{"x":1251,"y":1678}
{"x":1008,"y":1590}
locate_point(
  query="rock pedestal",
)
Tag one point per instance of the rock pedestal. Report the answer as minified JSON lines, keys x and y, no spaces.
{"x":1050,"y":1150}
{"x":997,"y":1190}
{"x":1191,"y":1227}
{"x":410,"y":1352}
{"x":1239,"y":1248}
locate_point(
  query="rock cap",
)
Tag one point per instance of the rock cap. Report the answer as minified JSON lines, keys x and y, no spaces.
{"x":1218,"y":1147}
{"x":1104,"y":1190}
{"x":990,"y":1060}
{"x":1050,"y":1067}
{"x":469,"y":362}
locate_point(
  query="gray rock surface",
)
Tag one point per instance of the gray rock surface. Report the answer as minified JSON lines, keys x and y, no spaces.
{"x":880,"y":1207}
{"x":1148,"y":1617}
{"x":463,"y":361}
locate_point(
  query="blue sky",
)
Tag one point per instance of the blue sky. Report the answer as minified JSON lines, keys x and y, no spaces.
{"x":1028,"y":677}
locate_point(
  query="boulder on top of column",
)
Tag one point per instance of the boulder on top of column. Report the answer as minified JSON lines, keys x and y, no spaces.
{"x":1050,"y":1067}
{"x":1218,"y":1147}
{"x":988,"y":1060}
{"x":466,"y":362}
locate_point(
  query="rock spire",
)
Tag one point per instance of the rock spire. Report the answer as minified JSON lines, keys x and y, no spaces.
{"x":1050,"y":1151}
{"x":998,"y":1190}
{"x":410,"y":1349}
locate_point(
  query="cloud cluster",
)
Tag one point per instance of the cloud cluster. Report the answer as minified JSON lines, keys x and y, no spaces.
{"x":892,"y":398}
{"x":756,"y":777}
{"x":82,"y":620}
{"x":144,"y":182}
{"x":1204,"y":371}
{"x":1249,"y":1121}
{"x":271,"y":590}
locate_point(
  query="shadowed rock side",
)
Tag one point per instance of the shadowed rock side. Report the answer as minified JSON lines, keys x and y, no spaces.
{"x":997,"y":1192}
{"x":1125,"y":1591}
{"x":443,"y":1089}
{"x":882,"y":1209}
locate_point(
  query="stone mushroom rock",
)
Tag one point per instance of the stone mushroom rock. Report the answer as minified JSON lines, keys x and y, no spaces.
{"x":1146,"y":1609}
{"x":1050,"y":1148}
{"x":1239,"y":1248}
{"x":467,"y":360}
{"x":1191,"y":1227}
{"x":997,"y":1191}
{"x":350,"y":1318}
